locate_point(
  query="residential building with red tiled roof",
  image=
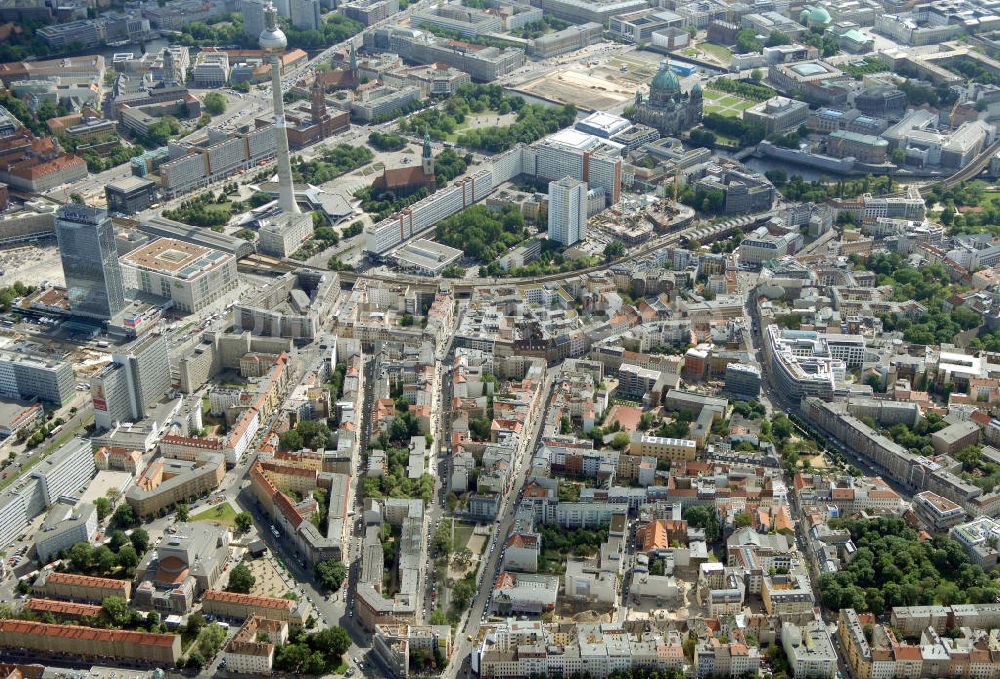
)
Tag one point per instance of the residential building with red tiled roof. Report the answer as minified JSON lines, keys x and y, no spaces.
{"x":167,"y":481}
{"x":251,"y":650}
{"x":38,"y":174}
{"x":90,"y":642}
{"x":271,"y":483}
{"x":119,"y":459}
{"x":81,"y":587}
{"x":61,"y":609}
{"x":236,"y":606}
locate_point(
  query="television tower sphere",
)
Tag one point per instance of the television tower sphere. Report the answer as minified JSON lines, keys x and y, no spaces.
{"x":272,"y":39}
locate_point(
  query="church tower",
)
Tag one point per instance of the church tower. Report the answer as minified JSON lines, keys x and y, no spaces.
{"x":427,"y":159}
{"x":317,"y":102}
{"x":171,"y":69}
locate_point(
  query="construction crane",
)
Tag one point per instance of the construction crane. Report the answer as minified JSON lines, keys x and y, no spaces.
{"x":954,"y":110}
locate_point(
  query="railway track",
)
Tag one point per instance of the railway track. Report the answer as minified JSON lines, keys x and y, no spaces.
{"x":466,"y":285}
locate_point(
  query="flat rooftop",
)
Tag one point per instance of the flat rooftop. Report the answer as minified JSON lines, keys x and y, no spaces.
{"x":175,"y":258}
{"x":105,"y":481}
{"x":427,"y":254}
{"x":127,"y":184}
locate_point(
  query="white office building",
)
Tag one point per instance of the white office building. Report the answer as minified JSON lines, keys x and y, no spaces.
{"x":305,"y":14}
{"x":66,"y":471}
{"x":567,"y":210}
{"x":64,"y":527}
{"x":138,"y":377}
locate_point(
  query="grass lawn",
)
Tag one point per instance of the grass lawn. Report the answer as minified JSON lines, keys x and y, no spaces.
{"x":725,"y":104}
{"x":990,"y":197}
{"x":723,"y":111}
{"x":339,"y":669}
{"x":718,"y":51}
{"x":690,"y":52}
{"x":463,"y":531}
{"x":40,"y":452}
{"x":221,"y":513}
{"x":723,"y":139}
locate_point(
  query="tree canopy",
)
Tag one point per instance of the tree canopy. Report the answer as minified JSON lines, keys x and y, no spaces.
{"x":481,"y":233}
{"x":893,"y":567}
{"x":241,"y":579}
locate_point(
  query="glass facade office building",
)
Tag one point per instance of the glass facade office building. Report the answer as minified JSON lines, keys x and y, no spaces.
{"x":90,"y":261}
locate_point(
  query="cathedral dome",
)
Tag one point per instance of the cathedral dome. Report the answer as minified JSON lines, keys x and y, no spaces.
{"x":664,"y":80}
{"x":816,"y":16}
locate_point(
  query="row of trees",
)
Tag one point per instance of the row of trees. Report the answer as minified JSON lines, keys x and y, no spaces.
{"x":795,"y":188}
{"x":751,"y":91}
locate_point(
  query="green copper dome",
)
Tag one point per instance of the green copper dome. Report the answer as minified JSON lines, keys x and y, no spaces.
{"x":816,"y":16}
{"x":665,"y":80}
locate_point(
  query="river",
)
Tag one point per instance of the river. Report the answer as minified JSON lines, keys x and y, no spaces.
{"x":807,"y":173}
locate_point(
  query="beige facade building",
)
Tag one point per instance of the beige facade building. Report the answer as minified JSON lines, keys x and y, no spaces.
{"x":165,"y":482}
{"x":242,"y":606}
{"x":90,"y":642}
{"x":251,"y":651}
{"x":81,"y":587}
{"x":662,"y":448}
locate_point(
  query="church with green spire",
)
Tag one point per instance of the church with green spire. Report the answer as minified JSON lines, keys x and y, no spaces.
{"x":668,"y":109}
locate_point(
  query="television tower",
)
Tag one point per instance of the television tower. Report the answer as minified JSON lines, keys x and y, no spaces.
{"x":273,"y":42}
